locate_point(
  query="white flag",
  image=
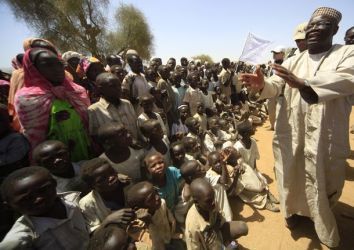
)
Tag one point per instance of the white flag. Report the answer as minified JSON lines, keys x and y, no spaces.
{"x":254,"y":49}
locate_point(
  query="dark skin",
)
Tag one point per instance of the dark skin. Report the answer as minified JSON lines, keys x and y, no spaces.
{"x":148,"y":104}
{"x":184,"y":113}
{"x":117,"y":145}
{"x":217,"y":163}
{"x":164,"y":72}
{"x":319,"y":36}
{"x":171,"y":64}
{"x":94,"y":70}
{"x":157,"y":169}
{"x":110,"y":89}
{"x":349,"y":36}
{"x":156,"y":136}
{"x":204,"y":197}
{"x":50,"y":67}
{"x":135,"y":64}
{"x":36,"y":195}
{"x":178,"y":154}
{"x":107,"y":184}
{"x":54,"y":156}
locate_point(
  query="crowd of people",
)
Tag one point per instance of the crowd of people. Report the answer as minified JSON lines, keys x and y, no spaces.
{"x":134,"y":156}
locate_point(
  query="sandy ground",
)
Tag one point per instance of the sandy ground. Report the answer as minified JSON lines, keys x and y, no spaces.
{"x":267,"y":229}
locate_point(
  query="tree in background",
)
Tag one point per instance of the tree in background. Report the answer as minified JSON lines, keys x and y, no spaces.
{"x":203,"y":58}
{"x":132,"y":32}
{"x":81,"y":25}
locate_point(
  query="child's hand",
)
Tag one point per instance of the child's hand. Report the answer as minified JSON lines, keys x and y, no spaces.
{"x":144,"y":215}
{"x":239,"y":169}
{"x":125,"y":179}
{"x":121,"y":217}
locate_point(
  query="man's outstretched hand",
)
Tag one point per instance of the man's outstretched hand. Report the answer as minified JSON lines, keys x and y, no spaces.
{"x":292,"y":80}
{"x":255,"y":81}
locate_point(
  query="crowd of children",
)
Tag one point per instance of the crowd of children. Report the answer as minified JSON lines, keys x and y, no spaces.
{"x":115,"y":160}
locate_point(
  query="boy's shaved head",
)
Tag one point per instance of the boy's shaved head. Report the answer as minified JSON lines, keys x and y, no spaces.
{"x":200,"y":187}
{"x":107,"y":130}
{"x":188,"y":168}
{"x":20,"y":174}
{"x":104,"y":78}
{"x":137,"y":193}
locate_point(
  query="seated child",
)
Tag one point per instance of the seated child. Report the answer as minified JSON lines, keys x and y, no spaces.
{"x":55,"y":156}
{"x":155,"y":224}
{"x":166,"y":179}
{"x":109,"y":238}
{"x":213,"y":137}
{"x":222,"y":173}
{"x":192,"y":170}
{"x":49,"y":220}
{"x":206,"y":228}
{"x":105,"y":204}
{"x":158,"y":142}
{"x":14,"y":147}
{"x":179,"y":129}
{"x":147,"y":103}
{"x":193,"y":150}
{"x":119,"y":152}
{"x":201,"y":117}
{"x":247,"y":147}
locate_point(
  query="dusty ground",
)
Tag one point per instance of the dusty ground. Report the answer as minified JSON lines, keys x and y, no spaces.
{"x":267,"y":229}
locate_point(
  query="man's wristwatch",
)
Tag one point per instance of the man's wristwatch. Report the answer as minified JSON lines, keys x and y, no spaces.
{"x":306,"y":83}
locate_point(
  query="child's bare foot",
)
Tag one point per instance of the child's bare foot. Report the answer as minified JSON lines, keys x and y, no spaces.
{"x":271,"y":206}
{"x":272,"y":198}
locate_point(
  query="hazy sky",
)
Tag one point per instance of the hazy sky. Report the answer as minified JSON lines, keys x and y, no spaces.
{"x":192,"y":27}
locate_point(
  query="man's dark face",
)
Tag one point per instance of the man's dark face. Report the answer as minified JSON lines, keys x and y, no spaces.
{"x":171,"y":64}
{"x":349,"y":37}
{"x":136,"y":64}
{"x":319,"y":34}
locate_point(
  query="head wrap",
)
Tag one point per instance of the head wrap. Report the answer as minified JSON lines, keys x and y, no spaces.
{"x":27,"y":43}
{"x":331,"y":13}
{"x":33,"y":101}
{"x":70,"y":54}
{"x":84,"y":65}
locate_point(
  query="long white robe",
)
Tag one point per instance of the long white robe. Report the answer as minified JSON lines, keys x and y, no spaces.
{"x":311,"y":141}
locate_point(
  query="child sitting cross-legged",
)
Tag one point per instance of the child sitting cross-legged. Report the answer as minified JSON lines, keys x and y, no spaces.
{"x":116,"y":141}
{"x":49,"y":220}
{"x":206,"y":228}
{"x":191,"y":170}
{"x":55,"y":156}
{"x":223,"y":173}
{"x":256,"y":192}
{"x":155,"y":224}
{"x":105,"y":204}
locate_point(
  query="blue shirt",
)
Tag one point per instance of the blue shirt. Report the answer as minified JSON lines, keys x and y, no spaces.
{"x":170,"y":191}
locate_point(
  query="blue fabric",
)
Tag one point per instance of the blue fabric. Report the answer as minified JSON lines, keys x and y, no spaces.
{"x":170,"y":191}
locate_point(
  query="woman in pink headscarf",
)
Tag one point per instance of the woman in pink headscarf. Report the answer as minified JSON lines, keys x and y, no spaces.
{"x":50,"y":105}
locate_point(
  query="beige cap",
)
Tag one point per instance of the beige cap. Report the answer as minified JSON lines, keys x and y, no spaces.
{"x":300,"y":31}
{"x":333,"y":14}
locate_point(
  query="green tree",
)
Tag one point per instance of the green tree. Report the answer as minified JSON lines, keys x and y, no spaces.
{"x":70,"y":24}
{"x":132,"y":32}
{"x":203,"y":58}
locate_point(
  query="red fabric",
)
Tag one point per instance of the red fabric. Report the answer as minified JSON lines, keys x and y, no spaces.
{"x":33,"y":102}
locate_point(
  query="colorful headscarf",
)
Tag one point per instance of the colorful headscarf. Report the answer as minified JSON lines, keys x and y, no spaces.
{"x":33,"y":101}
{"x":84,"y":65}
{"x":27,"y":43}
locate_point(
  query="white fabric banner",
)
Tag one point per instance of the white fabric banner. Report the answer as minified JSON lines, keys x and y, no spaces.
{"x":254,"y":49}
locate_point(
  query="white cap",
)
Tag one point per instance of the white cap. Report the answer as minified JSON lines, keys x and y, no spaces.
{"x":278,"y":49}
